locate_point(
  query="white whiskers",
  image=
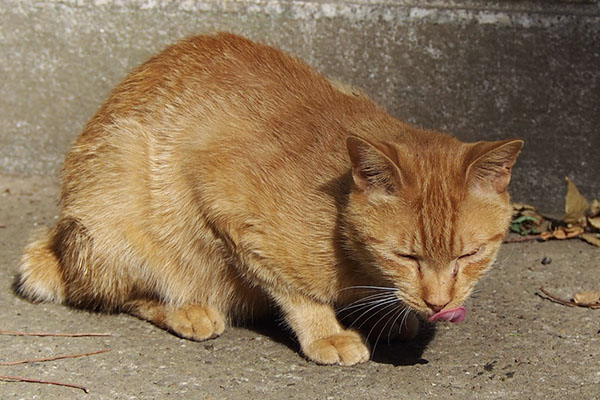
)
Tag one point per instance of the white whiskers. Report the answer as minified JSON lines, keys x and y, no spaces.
{"x":384,"y":305}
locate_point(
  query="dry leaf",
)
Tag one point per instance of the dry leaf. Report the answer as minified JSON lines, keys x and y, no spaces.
{"x":545,"y":226}
{"x":527,"y":221}
{"x":559,"y":233}
{"x":562,"y":232}
{"x":595,"y":222}
{"x":590,"y":299}
{"x":592,"y":238}
{"x":587,"y":298}
{"x":575,"y":205}
{"x":546,"y":235}
{"x":595,"y":208}
{"x":522,"y":206}
{"x":574,"y":231}
{"x":518,"y":208}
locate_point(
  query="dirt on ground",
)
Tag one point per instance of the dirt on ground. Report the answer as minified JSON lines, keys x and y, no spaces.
{"x":514,"y":343}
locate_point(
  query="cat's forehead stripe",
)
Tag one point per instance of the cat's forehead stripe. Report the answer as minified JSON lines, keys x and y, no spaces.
{"x":437,"y":216}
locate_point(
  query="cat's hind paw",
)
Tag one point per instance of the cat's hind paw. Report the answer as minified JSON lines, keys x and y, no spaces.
{"x":345,"y":348}
{"x":195,"y":322}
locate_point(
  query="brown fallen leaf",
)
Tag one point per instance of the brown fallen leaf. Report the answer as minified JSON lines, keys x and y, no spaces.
{"x":592,"y":238}
{"x":595,"y":208}
{"x":574,"y":231}
{"x":581,"y":220}
{"x":518,"y":207}
{"x":575,"y":205}
{"x":563,"y":232}
{"x":566,"y":302}
{"x":522,"y":206}
{"x":594,"y":222}
{"x":559,"y":234}
{"x":587,"y":298}
{"x":526,"y":220}
{"x":546,"y":235}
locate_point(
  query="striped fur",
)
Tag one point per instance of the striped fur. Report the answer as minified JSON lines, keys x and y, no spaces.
{"x":223,"y":179}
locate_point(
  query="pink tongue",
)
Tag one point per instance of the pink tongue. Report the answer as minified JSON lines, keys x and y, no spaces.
{"x":455,"y":315}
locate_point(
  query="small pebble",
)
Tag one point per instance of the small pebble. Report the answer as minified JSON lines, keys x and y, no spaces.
{"x":546,"y":260}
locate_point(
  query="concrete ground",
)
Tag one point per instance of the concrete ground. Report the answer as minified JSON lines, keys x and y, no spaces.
{"x":513,"y":345}
{"x":480,"y":69}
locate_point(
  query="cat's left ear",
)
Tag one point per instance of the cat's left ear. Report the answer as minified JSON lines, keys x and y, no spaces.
{"x":374,"y":165}
{"x":490,"y":163}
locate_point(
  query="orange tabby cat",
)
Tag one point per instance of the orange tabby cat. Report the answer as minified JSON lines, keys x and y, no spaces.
{"x":223,"y":178}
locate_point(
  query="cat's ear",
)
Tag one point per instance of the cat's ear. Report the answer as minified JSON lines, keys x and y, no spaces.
{"x":373,"y":167}
{"x":489,"y":164}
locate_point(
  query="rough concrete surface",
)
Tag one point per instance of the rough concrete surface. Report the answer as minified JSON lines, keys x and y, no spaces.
{"x":479,"y":69}
{"x":513,"y":345}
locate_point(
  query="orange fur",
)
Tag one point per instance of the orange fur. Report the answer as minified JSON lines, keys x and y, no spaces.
{"x":223,"y":178}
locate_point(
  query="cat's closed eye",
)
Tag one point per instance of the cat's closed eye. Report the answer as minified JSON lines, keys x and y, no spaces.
{"x":408,"y":257}
{"x":470,"y":254}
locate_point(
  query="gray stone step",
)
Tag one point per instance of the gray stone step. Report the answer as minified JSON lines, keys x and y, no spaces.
{"x":482,"y":70}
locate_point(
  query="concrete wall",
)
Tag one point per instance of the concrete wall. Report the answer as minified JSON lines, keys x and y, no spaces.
{"x":478,"y":69}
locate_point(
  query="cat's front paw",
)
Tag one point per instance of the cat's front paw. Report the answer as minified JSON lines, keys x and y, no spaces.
{"x":345,"y":348}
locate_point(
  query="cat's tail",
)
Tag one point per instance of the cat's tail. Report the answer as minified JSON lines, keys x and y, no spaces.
{"x":40,"y":278}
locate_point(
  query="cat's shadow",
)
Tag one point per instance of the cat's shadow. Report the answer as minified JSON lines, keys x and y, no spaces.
{"x":399,"y":353}
{"x":396,"y":353}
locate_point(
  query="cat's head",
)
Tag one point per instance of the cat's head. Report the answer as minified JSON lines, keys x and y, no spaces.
{"x":429,"y":214}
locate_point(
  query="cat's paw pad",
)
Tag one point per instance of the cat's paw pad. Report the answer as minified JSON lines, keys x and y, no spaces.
{"x":345,"y":348}
{"x":196,"y":322}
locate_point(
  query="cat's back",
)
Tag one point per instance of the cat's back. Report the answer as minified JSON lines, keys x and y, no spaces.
{"x":251,"y":118}
{"x":208,"y":75}
{"x":226,"y":95}
{"x":222,"y":88}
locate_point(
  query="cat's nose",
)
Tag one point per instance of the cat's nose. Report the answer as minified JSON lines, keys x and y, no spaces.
{"x":436,"y":307}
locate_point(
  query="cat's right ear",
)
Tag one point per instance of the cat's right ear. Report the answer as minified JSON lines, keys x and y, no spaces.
{"x":490,"y":163}
{"x":373,"y":168}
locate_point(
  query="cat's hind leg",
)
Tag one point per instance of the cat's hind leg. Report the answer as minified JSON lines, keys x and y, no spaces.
{"x":70,"y":265}
{"x":194,"y":322}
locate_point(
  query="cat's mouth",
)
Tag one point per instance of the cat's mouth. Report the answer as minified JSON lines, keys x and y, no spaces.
{"x":454,"y":315}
